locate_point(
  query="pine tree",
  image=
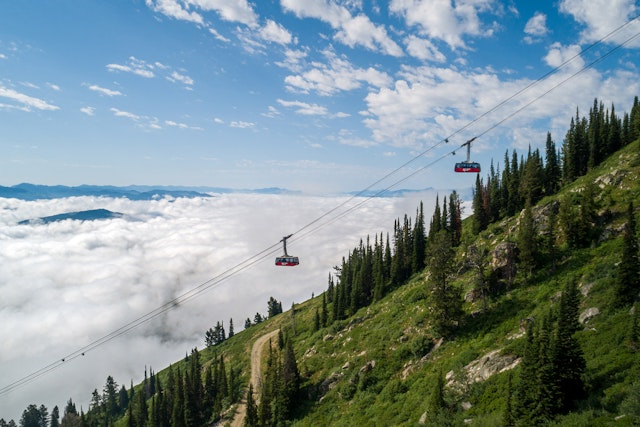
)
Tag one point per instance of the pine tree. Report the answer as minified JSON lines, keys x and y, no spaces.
{"x":324,"y":314}
{"x":633,"y":337}
{"x":547,"y":389}
{"x":141,"y":413}
{"x":480,"y":219}
{"x":231,"y":333}
{"x":445,"y":299}
{"x":419,"y":241}
{"x":177,"y":411}
{"x":634,"y":120}
{"x":251,"y":419}
{"x":514,"y":203}
{"x":477,"y":259}
{"x":527,"y":241}
{"x":552,"y":173}
{"x":568,"y":359}
{"x":436,"y":403}
{"x":628,"y":275}
{"x":110,"y":398}
{"x":507,"y":416}
{"x":526,"y":391}
{"x":290,"y":379}
{"x":55,"y":417}
{"x":436,"y":220}
{"x":34,"y":417}
{"x":455,"y":213}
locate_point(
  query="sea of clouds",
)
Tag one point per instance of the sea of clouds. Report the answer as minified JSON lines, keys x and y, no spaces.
{"x":65,"y":284}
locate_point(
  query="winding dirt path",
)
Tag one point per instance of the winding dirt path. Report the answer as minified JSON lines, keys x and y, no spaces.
{"x":256,"y":373}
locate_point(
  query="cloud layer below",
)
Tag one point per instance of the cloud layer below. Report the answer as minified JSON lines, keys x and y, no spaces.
{"x":66,"y":284}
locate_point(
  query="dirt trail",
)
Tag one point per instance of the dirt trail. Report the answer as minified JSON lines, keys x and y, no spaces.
{"x":256,"y":373}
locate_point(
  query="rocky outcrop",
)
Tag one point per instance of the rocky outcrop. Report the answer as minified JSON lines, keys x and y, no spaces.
{"x":588,"y":314}
{"x":486,"y":366}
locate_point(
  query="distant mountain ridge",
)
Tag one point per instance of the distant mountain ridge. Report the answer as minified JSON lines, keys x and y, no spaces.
{"x":29,"y":192}
{"x":89,"y":215}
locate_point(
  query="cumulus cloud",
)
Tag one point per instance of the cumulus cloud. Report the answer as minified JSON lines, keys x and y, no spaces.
{"x":429,"y":103}
{"x":174,"y":9}
{"x":232,"y":11}
{"x":338,"y":74}
{"x":536,"y":27}
{"x":445,"y":20}
{"x":601,"y":17}
{"x":423,"y":49}
{"x":26,"y":102}
{"x":276,"y":33}
{"x":69,"y":283}
{"x":350,"y":30}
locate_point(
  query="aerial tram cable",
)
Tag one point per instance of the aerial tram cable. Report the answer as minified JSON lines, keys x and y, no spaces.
{"x":220,"y":278}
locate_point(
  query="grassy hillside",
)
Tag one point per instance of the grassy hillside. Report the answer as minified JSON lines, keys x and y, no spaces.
{"x":381,"y":365}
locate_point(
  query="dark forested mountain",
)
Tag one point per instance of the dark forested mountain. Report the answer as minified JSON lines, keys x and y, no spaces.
{"x":135,"y":192}
{"x":89,"y":215}
{"x":38,"y":192}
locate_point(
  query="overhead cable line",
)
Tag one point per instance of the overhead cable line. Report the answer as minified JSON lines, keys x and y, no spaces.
{"x":316,"y":224}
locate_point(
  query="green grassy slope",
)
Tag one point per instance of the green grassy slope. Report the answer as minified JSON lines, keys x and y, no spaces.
{"x":379,"y":367}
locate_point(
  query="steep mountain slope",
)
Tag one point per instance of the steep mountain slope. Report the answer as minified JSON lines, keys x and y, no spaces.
{"x":380,"y":366}
{"x":386,"y":364}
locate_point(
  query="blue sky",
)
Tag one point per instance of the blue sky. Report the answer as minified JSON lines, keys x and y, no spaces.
{"x":314,"y":95}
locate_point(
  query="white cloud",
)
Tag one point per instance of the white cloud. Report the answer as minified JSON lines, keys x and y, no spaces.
{"x":293,"y":60}
{"x":54,"y":86}
{"x":241,"y":125}
{"x":232,"y":11}
{"x":89,"y":111}
{"x":3,"y":56}
{"x":104,"y":91}
{"x":173,"y":9}
{"x":337,"y":75}
{"x":350,"y":30}
{"x":135,"y":66}
{"x":423,"y":49}
{"x":444,"y":20}
{"x":428,"y":104}
{"x":600,"y":17}
{"x":276,"y":33}
{"x":536,"y":27}
{"x":559,"y":54}
{"x":27,"y":102}
{"x":218,"y":36}
{"x":271,"y":112}
{"x":305,"y":108}
{"x":120,"y":113}
{"x":177,"y":77}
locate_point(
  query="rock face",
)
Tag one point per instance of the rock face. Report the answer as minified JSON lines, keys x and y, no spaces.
{"x":490,"y":364}
{"x":588,"y":314}
{"x":501,"y":254}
